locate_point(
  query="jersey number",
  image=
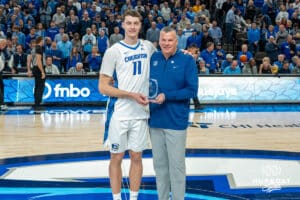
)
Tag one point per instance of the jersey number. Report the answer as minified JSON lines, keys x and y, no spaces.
{"x":137,"y":67}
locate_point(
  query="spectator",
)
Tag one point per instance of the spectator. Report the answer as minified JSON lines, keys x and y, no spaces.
{"x":45,"y":12}
{"x":40,"y":31}
{"x":116,"y":36}
{"x":281,"y":35}
{"x":74,"y":58}
{"x":210,"y":57}
{"x":253,"y":36}
{"x":18,"y":61}
{"x":202,"y":68}
{"x":31,"y":36}
{"x":206,"y":38}
{"x":194,"y":39}
{"x":94,"y":60}
{"x":153,"y":34}
{"x":266,"y":67}
{"x":76,"y":42}
{"x":272,"y":49}
{"x":56,"y":55}
{"x":229,"y":21}
{"x":250,"y":68}
{"x":20,"y":35}
{"x":282,"y":14}
{"x":232,"y":69}
{"x":196,"y":24}
{"x":279,"y":61}
{"x":85,"y":23}
{"x":244,"y":51}
{"x":66,"y":47}
{"x":52,"y":30}
{"x":88,"y":41}
{"x":215,"y":32}
{"x":288,"y":48}
{"x":102,"y":42}
{"x":296,"y":69}
{"x":166,"y":11}
{"x":182,"y":39}
{"x":285,"y":68}
{"x":188,"y":30}
{"x":59,"y":18}
{"x":58,"y":36}
{"x":78,"y":70}
{"x":72,"y":25}
{"x":227,"y":62}
{"x":50,"y":68}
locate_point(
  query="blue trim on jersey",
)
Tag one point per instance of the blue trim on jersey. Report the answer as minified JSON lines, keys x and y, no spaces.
{"x":129,"y":47}
{"x":110,"y":109}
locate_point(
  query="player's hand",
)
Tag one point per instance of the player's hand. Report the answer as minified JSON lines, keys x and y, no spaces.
{"x":159,"y":99}
{"x":140,"y":98}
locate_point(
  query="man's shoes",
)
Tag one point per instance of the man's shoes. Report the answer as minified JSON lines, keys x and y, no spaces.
{"x":3,"y":107}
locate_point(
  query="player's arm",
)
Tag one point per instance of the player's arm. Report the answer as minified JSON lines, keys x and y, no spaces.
{"x":106,"y":87}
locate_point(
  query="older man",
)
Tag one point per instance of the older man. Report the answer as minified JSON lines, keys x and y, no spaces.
{"x":177,"y":80}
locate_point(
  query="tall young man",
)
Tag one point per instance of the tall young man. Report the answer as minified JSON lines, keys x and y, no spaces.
{"x":124,"y":78}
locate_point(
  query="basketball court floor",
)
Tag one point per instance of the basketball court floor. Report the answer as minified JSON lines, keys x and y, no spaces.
{"x":233,"y":152}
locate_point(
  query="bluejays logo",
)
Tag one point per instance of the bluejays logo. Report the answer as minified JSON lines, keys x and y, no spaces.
{"x":155,"y":63}
{"x":115,"y":146}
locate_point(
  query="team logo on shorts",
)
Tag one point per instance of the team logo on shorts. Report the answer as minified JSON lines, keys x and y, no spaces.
{"x":115,"y":147}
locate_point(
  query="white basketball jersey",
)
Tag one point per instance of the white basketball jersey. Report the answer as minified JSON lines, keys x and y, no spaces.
{"x":129,"y":67}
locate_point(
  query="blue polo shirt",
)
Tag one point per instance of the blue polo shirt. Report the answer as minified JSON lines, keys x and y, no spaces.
{"x":177,"y":78}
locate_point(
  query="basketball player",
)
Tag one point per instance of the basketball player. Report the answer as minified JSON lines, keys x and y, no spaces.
{"x":124,"y":78}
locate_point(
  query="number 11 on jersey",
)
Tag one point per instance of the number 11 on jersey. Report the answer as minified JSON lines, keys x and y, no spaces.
{"x":137,"y":67}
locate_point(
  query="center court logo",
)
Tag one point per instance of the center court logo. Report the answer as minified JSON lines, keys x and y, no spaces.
{"x":69,"y":92}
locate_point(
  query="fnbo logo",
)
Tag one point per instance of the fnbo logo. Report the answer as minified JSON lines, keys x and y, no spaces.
{"x":68,"y":92}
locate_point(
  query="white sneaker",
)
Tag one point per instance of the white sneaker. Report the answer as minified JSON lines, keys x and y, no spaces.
{"x":3,"y":107}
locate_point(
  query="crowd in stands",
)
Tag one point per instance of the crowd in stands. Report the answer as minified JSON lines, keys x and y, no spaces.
{"x":229,"y":37}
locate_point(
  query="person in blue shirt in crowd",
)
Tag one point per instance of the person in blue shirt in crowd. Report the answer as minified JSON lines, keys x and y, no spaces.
{"x":232,"y":69}
{"x":227,"y":61}
{"x":102,"y":41}
{"x":253,"y":35}
{"x":94,"y":59}
{"x":195,"y":38}
{"x":244,"y":51}
{"x":210,"y":57}
{"x":176,"y":75}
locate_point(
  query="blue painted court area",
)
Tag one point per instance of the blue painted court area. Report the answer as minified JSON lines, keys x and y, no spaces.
{"x":64,"y":176}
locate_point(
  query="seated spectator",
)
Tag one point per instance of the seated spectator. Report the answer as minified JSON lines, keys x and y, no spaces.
{"x":210,"y":57}
{"x":232,"y":69}
{"x":50,"y":68}
{"x":220,"y":52}
{"x":215,"y":32}
{"x":250,"y":68}
{"x":202,"y":67}
{"x":288,"y":48}
{"x":182,"y":39}
{"x":76,"y":42}
{"x":152,"y":33}
{"x":227,"y":62}
{"x":18,"y":61}
{"x":296,"y":69}
{"x":279,"y":61}
{"x":74,"y":58}
{"x":52,"y":30}
{"x":195,"y":38}
{"x":266,"y":67}
{"x":78,"y":70}
{"x":246,"y":53}
{"x":285,"y":68}
{"x":253,"y":36}
{"x":94,"y":60}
